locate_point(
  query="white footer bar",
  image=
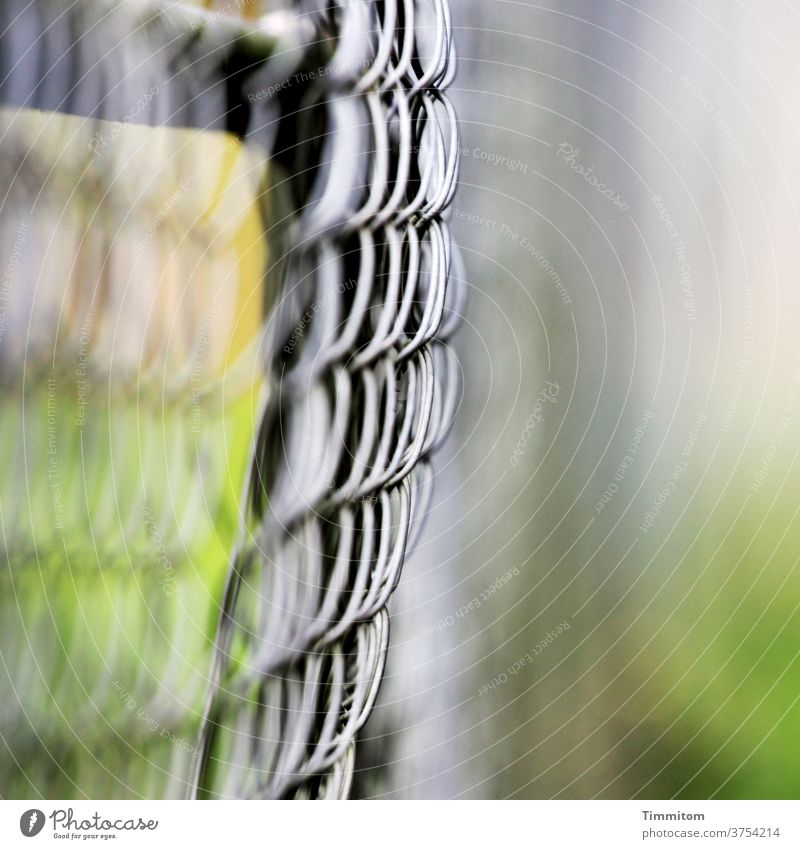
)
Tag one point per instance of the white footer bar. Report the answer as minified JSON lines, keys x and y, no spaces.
{"x":352,"y":825}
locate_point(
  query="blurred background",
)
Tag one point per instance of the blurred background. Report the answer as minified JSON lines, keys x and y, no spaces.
{"x":605,"y":599}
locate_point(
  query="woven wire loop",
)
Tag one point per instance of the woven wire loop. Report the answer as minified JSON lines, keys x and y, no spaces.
{"x":363,"y":387}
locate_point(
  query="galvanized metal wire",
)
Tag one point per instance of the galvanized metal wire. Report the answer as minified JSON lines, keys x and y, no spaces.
{"x":363,"y":386}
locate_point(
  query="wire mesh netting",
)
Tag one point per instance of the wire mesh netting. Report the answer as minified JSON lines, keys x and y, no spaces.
{"x":230,"y":348}
{"x":361,"y":397}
